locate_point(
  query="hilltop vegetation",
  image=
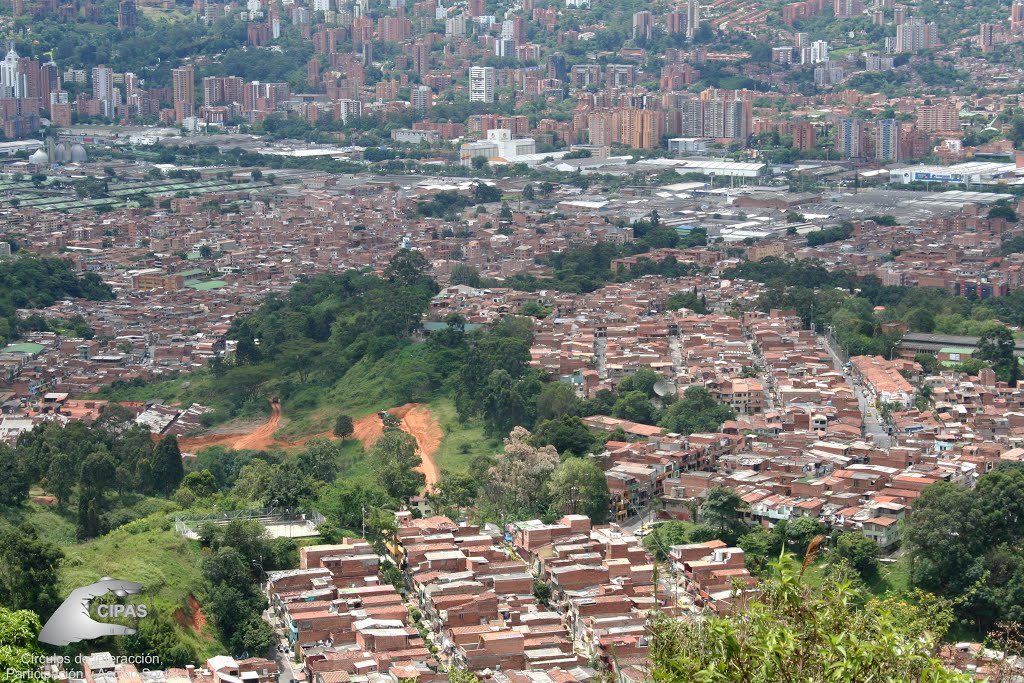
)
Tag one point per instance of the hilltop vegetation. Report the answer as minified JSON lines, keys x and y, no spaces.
{"x":38,"y":282}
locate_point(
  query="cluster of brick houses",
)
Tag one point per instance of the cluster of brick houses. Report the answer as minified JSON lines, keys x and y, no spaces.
{"x":103,"y":667}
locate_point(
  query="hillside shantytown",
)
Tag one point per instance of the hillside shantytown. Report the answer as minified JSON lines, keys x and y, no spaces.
{"x":512,"y":341}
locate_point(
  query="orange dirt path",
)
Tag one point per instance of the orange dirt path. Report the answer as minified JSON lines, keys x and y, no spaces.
{"x":260,"y":438}
{"x":423,"y":426}
{"x":263,"y":437}
{"x":416,"y":419}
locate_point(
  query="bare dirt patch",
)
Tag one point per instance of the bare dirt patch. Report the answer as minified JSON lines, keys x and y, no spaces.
{"x":260,"y":437}
{"x":194,"y":618}
{"x":423,"y":426}
{"x":416,"y":419}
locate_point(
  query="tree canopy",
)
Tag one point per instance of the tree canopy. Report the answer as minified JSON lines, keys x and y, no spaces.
{"x":790,"y":631}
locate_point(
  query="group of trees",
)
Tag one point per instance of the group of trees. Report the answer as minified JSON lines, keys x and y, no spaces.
{"x":636,"y":400}
{"x":826,"y":235}
{"x":323,"y":327}
{"x":102,"y":468}
{"x":525,"y":481}
{"x":721,"y":513}
{"x":38,"y":282}
{"x":791,"y":631}
{"x":239,"y":553}
{"x":968,"y":545}
{"x":587,"y":267}
{"x":448,"y":204}
{"x":495,"y":381}
{"x":847,"y":303}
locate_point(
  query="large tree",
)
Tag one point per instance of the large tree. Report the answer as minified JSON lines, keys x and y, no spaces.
{"x":28,"y":570}
{"x":321,"y":459}
{"x":19,"y":645}
{"x":696,"y":412}
{"x":860,"y":551}
{"x":634,"y":406}
{"x":395,"y":462}
{"x":579,"y":487}
{"x":555,"y":400}
{"x":168,"y":470}
{"x":567,"y":434}
{"x":516,"y":484}
{"x":722,"y":510}
{"x":17,"y":478}
{"x":996,"y":345}
{"x":343,"y":426}
{"x":969,"y":545}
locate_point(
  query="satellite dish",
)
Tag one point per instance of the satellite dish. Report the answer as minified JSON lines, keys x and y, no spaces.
{"x":663,"y":387}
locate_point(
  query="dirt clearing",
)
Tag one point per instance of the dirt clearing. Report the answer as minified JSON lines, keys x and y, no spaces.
{"x":194,"y":618}
{"x":416,"y":419}
{"x":420,"y":422}
{"x":260,"y":438}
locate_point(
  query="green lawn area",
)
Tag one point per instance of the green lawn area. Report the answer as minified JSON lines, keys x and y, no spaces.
{"x":184,"y":389}
{"x":364,"y":389}
{"x":893,"y":577}
{"x":26,"y":347}
{"x":160,"y":14}
{"x":208,"y":285}
{"x":147,"y":550}
{"x":462,"y":442}
{"x":353,"y":462}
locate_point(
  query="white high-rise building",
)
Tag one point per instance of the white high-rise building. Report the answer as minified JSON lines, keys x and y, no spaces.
{"x":455,"y":27}
{"x":102,"y":83}
{"x":915,"y":34}
{"x":347,"y":109}
{"x":321,"y":5}
{"x":481,"y":84}
{"x":421,"y":97}
{"x":692,"y":17}
{"x":12,"y":82}
{"x":819,"y":51}
{"x":504,"y":47}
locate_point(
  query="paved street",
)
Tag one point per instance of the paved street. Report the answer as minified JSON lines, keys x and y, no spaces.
{"x":873,"y":430}
{"x":284,"y":663}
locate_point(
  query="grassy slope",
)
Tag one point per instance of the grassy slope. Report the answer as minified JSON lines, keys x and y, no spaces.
{"x":148,"y":551}
{"x":49,"y":525}
{"x":151,"y":552}
{"x":368,"y":388}
{"x":893,"y":577}
{"x":462,"y":442}
{"x":176,"y":389}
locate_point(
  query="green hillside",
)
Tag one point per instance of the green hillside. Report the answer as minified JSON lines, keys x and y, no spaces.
{"x":147,"y":550}
{"x":151,"y":552}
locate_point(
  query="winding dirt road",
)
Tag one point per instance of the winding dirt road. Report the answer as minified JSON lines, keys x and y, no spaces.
{"x":260,"y":438}
{"x":420,"y":422}
{"x":416,"y":419}
{"x":264,"y":436}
